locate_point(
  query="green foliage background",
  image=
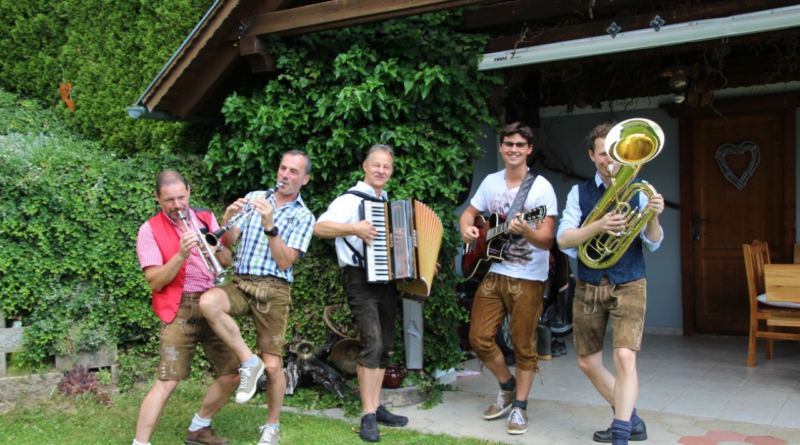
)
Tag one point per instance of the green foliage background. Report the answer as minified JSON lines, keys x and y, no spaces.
{"x":109,"y":50}
{"x":76,"y":187}
{"x":70,"y":215}
{"x":411,"y":84}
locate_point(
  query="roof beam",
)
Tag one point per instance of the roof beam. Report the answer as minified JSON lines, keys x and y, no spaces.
{"x":528,"y":38}
{"x":339,"y":13}
{"x":519,"y":11}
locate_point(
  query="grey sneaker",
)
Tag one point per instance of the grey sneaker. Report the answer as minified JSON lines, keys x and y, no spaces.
{"x":269,"y":435}
{"x":503,"y":404}
{"x":517,"y":421}
{"x":249,"y":377}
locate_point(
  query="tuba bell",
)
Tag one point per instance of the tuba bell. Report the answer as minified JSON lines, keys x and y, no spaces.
{"x":630,"y":143}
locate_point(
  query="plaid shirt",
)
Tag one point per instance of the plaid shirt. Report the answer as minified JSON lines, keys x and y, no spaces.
{"x":295,"y":225}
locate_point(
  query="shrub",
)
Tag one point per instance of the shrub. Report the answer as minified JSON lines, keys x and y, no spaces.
{"x":412,"y":84}
{"x":70,"y":217}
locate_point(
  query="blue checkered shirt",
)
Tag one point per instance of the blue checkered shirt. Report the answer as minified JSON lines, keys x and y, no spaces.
{"x":295,"y":225}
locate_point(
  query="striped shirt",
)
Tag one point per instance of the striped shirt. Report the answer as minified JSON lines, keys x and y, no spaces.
{"x":198,"y":278}
{"x":295,"y":225}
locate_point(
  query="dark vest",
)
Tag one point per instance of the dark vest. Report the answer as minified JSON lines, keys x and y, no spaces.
{"x":631,"y":266}
{"x":167,"y":300}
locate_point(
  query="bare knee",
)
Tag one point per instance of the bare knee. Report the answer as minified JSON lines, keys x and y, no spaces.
{"x":625,"y":360}
{"x":273,"y":366}
{"x":211,"y":302}
{"x":590,"y":364}
{"x":229,"y":381}
{"x":165,"y":387}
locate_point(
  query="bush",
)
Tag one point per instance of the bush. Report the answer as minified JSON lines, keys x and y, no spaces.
{"x":70,"y":217}
{"x":109,"y":50}
{"x":412,"y":84}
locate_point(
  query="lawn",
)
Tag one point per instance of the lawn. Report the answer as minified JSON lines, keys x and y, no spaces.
{"x":69,"y":420}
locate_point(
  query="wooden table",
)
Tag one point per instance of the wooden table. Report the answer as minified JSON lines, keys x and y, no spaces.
{"x":782,"y":282}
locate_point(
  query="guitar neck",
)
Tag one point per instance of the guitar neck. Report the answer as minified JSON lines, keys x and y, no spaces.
{"x":497,"y":230}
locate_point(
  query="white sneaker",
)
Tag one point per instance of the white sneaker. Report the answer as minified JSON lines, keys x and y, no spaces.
{"x":269,"y":435}
{"x":249,"y":377}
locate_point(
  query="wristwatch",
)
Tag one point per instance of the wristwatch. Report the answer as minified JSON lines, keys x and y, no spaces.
{"x":273,"y":232}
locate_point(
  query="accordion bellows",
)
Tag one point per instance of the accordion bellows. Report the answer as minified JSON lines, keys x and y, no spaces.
{"x":407,"y":245}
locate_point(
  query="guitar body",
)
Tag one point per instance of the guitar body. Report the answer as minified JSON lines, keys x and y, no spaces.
{"x":487,"y":249}
{"x":476,"y":263}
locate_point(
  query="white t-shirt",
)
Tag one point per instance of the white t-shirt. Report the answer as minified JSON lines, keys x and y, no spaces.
{"x":521,"y":259}
{"x":345,"y":209}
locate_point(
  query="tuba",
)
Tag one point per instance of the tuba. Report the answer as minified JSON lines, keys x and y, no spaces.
{"x":630,"y":143}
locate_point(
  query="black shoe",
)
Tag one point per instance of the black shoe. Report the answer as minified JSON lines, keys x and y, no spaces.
{"x":638,"y":433}
{"x":369,"y":428}
{"x":388,"y":419}
{"x":558,"y":347}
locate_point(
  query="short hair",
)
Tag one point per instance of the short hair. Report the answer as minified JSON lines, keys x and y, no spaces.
{"x":169,"y":177}
{"x":600,"y":131}
{"x":380,"y":147}
{"x":517,"y":128}
{"x":303,"y":154}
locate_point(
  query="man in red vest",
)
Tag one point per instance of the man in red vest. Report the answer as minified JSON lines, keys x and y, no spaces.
{"x":177,"y":274}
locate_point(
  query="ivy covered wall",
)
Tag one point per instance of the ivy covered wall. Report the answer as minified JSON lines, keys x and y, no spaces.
{"x":412,"y":84}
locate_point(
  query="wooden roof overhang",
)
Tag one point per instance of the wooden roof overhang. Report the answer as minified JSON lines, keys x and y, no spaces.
{"x":227,"y":45}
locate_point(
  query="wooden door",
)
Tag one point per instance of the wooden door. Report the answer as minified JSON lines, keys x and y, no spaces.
{"x":717,"y":218}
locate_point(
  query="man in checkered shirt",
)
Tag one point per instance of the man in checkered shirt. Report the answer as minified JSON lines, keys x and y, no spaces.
{"x":272,"y":238}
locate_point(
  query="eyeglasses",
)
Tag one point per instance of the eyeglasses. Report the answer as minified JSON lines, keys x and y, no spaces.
{"x":509,"y":144}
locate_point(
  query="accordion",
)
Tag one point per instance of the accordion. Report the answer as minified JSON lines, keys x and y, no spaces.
{"x":395,"y":255}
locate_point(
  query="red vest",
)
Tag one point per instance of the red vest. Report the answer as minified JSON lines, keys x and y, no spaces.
{"x":167,"y":300}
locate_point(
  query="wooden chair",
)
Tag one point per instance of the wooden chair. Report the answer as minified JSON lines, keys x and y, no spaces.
{"x":756,"y":255}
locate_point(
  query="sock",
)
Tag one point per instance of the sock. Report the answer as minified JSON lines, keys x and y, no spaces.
{"x":251,"y":362}
{"x":620,"y":432}
{"x":275,"y":426}
{"x":139,"y":443}
{"x":198,"y":423}
{"x":635,"y":419}
{"x":510,"y":385}
{"x":520,"y":404}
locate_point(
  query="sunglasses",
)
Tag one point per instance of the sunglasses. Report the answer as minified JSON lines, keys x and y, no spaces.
{"x":509,"y":144}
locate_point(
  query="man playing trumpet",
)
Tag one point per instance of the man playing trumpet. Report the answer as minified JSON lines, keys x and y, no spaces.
{"x":176,"y":271}
{"x":274,"y":234}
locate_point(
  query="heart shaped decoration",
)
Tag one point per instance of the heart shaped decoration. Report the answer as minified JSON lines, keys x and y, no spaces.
{"x":729,"y":149}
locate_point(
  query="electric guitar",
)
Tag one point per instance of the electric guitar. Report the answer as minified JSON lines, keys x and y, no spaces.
{"x":488,"y":248}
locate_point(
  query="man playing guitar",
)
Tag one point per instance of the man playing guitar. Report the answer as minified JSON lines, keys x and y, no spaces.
{"x":516,"y":285}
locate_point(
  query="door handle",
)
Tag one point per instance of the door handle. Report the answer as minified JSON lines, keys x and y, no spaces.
{"x":697,"y":222}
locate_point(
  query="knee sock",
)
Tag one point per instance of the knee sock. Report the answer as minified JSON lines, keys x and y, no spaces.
{"x":251,"y":362}
{"x":510,"y":385}
{"x":199,"y":423}
{"x":620,"y":432}
{"x":520,"y":404}
{"x":635,"y":419}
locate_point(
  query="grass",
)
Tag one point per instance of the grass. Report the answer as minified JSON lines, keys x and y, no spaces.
{"x":84,"y":420}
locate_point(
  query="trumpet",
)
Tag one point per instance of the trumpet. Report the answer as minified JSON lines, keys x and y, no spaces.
{"x":221,"y":276}
{"x":212,"y":238}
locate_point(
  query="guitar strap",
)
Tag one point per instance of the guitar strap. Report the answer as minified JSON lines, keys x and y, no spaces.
{"x":522,"y":195}
{"x":357,"y":257}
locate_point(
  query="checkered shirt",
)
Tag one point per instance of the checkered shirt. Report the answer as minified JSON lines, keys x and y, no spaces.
{"x":295,"y":225}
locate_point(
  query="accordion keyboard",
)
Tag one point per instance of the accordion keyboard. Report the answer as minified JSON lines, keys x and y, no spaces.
{"x":377,"y":255}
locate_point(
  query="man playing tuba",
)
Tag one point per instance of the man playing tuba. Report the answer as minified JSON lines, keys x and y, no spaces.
{"x":617,"y":291}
